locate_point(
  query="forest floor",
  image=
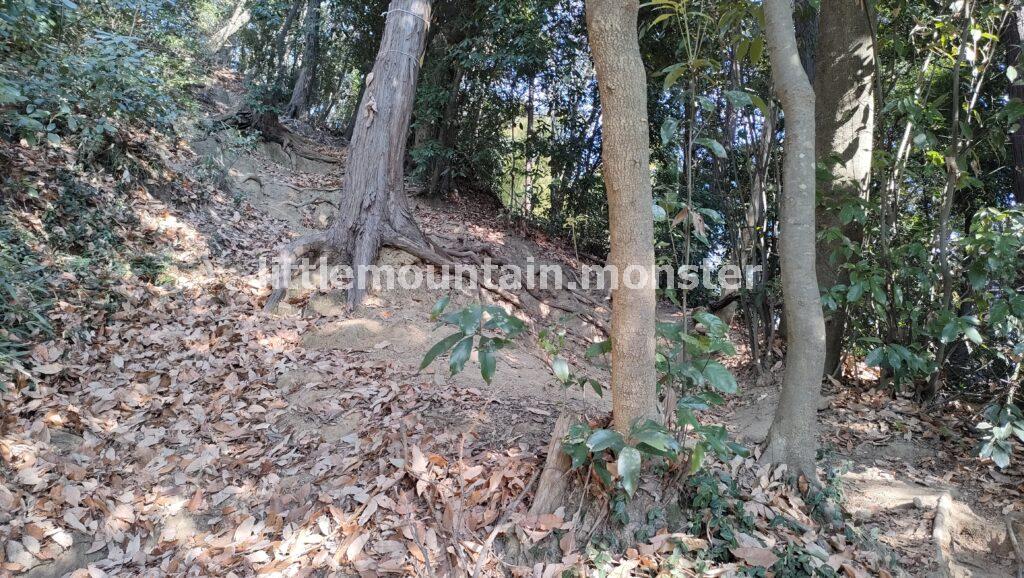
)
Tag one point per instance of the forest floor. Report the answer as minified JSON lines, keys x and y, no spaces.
{"x":189,"y":432}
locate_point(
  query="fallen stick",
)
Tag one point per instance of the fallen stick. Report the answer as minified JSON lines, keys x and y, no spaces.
{"x":940,"y":533}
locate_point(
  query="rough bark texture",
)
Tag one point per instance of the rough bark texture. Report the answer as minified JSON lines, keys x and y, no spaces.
{"x":625,"y":152}
{"x":845,"y":118}
{"x":792,"y":438}
{"x":374,"y":208}
{"x":1013,"y":51}
{"x":305,"y":84}
{"x":239,"y":18}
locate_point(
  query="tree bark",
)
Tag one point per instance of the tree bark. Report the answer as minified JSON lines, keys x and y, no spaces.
{"x":792,"y":438}
{"x":374,"y":209}
{"x":305,"y":84}
{"x":1013,"y":51}
{"x":239,"y":18}
{"x":625,"y":152}
{"x":845,"y":117}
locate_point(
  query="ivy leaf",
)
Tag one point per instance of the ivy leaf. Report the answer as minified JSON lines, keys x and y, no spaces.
{"x":719,"y":377}
{"x":440,"y":347}
{"x":460,"y":355}
{"x":629,"y":469}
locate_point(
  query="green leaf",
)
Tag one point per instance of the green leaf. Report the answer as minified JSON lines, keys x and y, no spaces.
{"x":469,"y":318}
{"x":599,"y":348}
{"x":603,"y":473}
{"x":438,"y":307}
{"x":972,"y":334}
{"x":460,"y":355}
{"x":696,"y":458}
{"x":949,"y":332}
{"x":603,"y":439}
{"x":488,"y":363}
{"x":440,"y":347}
{"x":719,"y":377}
{"x":715,"y":146}
{"x":674,"y":72}
{"x":715,"y":326}
{"x":875,"y":357}
{"x":53,"y":138}
{"x":629,"y":469}
{"x":855,"y":292}
{"x":561,"y":368}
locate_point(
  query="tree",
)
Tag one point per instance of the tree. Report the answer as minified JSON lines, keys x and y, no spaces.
{"x":1015,"y":32}
{"x":240,"y":16}
{"x":373,"y":210}
{"x":625,"y":154}
{"x":845,"y":120}
{"x":305,"y":84}
{"x":792,"y":438}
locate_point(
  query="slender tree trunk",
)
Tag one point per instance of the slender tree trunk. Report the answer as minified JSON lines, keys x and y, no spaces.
{"x":792,"y":438}
{"x":1013,"y":52}
{"x":625,"y":151}
{"x":845,"y":117}
{"x":239,"y":18}
{"x":527,"y":207}
{"x":280,"y":40}
{"x":305,"y":84}
{"x":445,"y":136}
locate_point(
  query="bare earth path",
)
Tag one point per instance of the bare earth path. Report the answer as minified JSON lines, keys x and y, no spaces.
{"x":195,"y":433}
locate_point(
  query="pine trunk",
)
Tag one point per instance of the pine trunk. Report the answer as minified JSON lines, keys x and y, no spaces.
{"x":625,"y":152}
{"x":845,"y":116}
{"x":792,"y":438}
{"x":374,"y":209}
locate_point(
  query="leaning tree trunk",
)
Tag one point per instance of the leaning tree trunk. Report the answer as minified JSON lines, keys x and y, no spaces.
{"x":845,"y":116}
{"x":792,"y":438}
{"x":280,"y":41}
{"x":240,"y":16}
{"x":374,"y":210}
{"x":625,"y":152}
{"x":306,"y":82}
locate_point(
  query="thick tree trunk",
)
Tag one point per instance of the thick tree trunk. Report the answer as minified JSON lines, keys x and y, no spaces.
{"x":239,"y":18}
{"x":625,"y":151}
{"x":305,"y":84}
{"x":845,"y":117}
{"x":1013,"y":52}
{"x":374,"y":209}
{"x":792,"y":438}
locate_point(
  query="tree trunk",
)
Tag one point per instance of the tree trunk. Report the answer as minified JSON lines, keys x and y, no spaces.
{"x":529,"y":167}
{"x":374,"y":209}
{"x":280,"y":41}
{"x":439,"y":166}
{"x":792,"y":438}
{"x":350,"y":124}
{"x":625,"y":152}
{"x":305,"y":84}
{"x":845,"y":116}
{"x":239,"y":18}
{"x":1013,"y":51}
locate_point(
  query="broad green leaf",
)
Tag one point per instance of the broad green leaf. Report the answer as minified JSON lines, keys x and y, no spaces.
{"x":949,"y":332}
{"x":599,"y":348}
{"x":972,"y":334}
{"x":488,"y":363}
{"x":719,"y":377}
{"x":696,"y":458}
{"x":668,"y":130}
{"x":603,"y":439}
{"x":460,"y":355}
{"x":440,"y":347}
{"x":629,"y":469}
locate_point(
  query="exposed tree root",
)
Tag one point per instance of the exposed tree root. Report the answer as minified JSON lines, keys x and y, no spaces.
{"x":1012,"y":519}
{"x":269,"y":126}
